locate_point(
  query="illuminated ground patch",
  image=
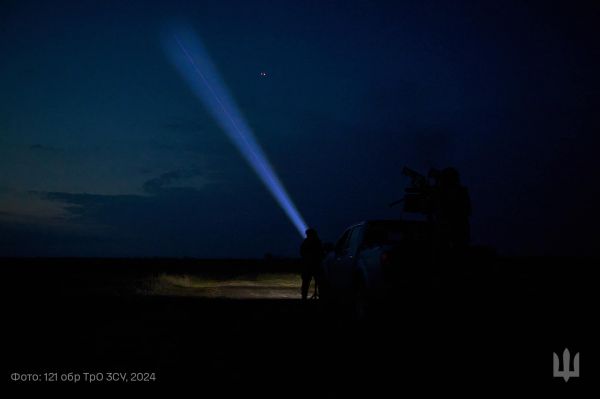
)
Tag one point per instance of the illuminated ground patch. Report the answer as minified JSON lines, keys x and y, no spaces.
{"x":263,"y":286}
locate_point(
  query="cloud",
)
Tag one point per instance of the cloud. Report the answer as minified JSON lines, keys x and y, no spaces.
{"x":96,"y":209}
{"x":171,"y":218}
{"x":90,"y":207}
{"x":173,"y":181}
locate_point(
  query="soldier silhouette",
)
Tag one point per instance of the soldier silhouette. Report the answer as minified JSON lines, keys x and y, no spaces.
{"x":453,"y":210}
{"x":311,"y":252}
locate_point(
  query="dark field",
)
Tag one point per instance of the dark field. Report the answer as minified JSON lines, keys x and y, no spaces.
{"x":239,"y":325}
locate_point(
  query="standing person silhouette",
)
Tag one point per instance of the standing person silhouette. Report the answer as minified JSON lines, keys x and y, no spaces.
{"x":454,"y":210}
{"x":311,"y":252}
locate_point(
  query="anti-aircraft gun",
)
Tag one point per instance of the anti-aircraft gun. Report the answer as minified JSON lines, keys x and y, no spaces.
{"x":419,"y":197}
{"x":444,"y":201}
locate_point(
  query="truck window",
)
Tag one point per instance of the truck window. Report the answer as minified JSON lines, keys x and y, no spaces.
{"x":382,"y":234}
{"x":342,"y":243}
{"x":354,"y":240}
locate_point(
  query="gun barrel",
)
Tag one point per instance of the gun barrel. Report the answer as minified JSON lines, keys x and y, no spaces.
{"x":394,"y":203}
{"x":411,"y":173}
{"x":418,"y":180}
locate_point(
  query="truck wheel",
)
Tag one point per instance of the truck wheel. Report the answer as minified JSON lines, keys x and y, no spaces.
{"x":360,"y":306}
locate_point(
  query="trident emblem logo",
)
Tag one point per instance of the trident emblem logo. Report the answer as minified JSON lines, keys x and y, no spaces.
{"x":567,"y":372}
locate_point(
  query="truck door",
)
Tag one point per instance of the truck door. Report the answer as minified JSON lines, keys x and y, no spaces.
{"x":341,"y":249}
{"x":345,"y":260}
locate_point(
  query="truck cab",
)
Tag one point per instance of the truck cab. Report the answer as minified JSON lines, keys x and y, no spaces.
{"x":373,"y":258}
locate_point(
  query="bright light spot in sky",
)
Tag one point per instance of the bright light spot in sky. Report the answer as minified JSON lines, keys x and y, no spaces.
{"x":190,"y":58}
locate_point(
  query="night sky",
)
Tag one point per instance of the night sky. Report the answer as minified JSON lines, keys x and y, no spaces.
{"x":105,"y":151}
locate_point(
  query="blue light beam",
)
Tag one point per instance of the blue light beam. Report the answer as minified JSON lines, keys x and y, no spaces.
{"x":190,"y":58}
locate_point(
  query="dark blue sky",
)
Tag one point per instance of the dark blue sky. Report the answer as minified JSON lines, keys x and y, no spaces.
{"x":104,"y":150}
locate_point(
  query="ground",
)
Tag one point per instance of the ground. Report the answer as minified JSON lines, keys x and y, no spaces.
{"x":246,"y":328}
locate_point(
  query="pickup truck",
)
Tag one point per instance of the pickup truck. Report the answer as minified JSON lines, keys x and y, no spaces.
{"x":375,"y":261}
